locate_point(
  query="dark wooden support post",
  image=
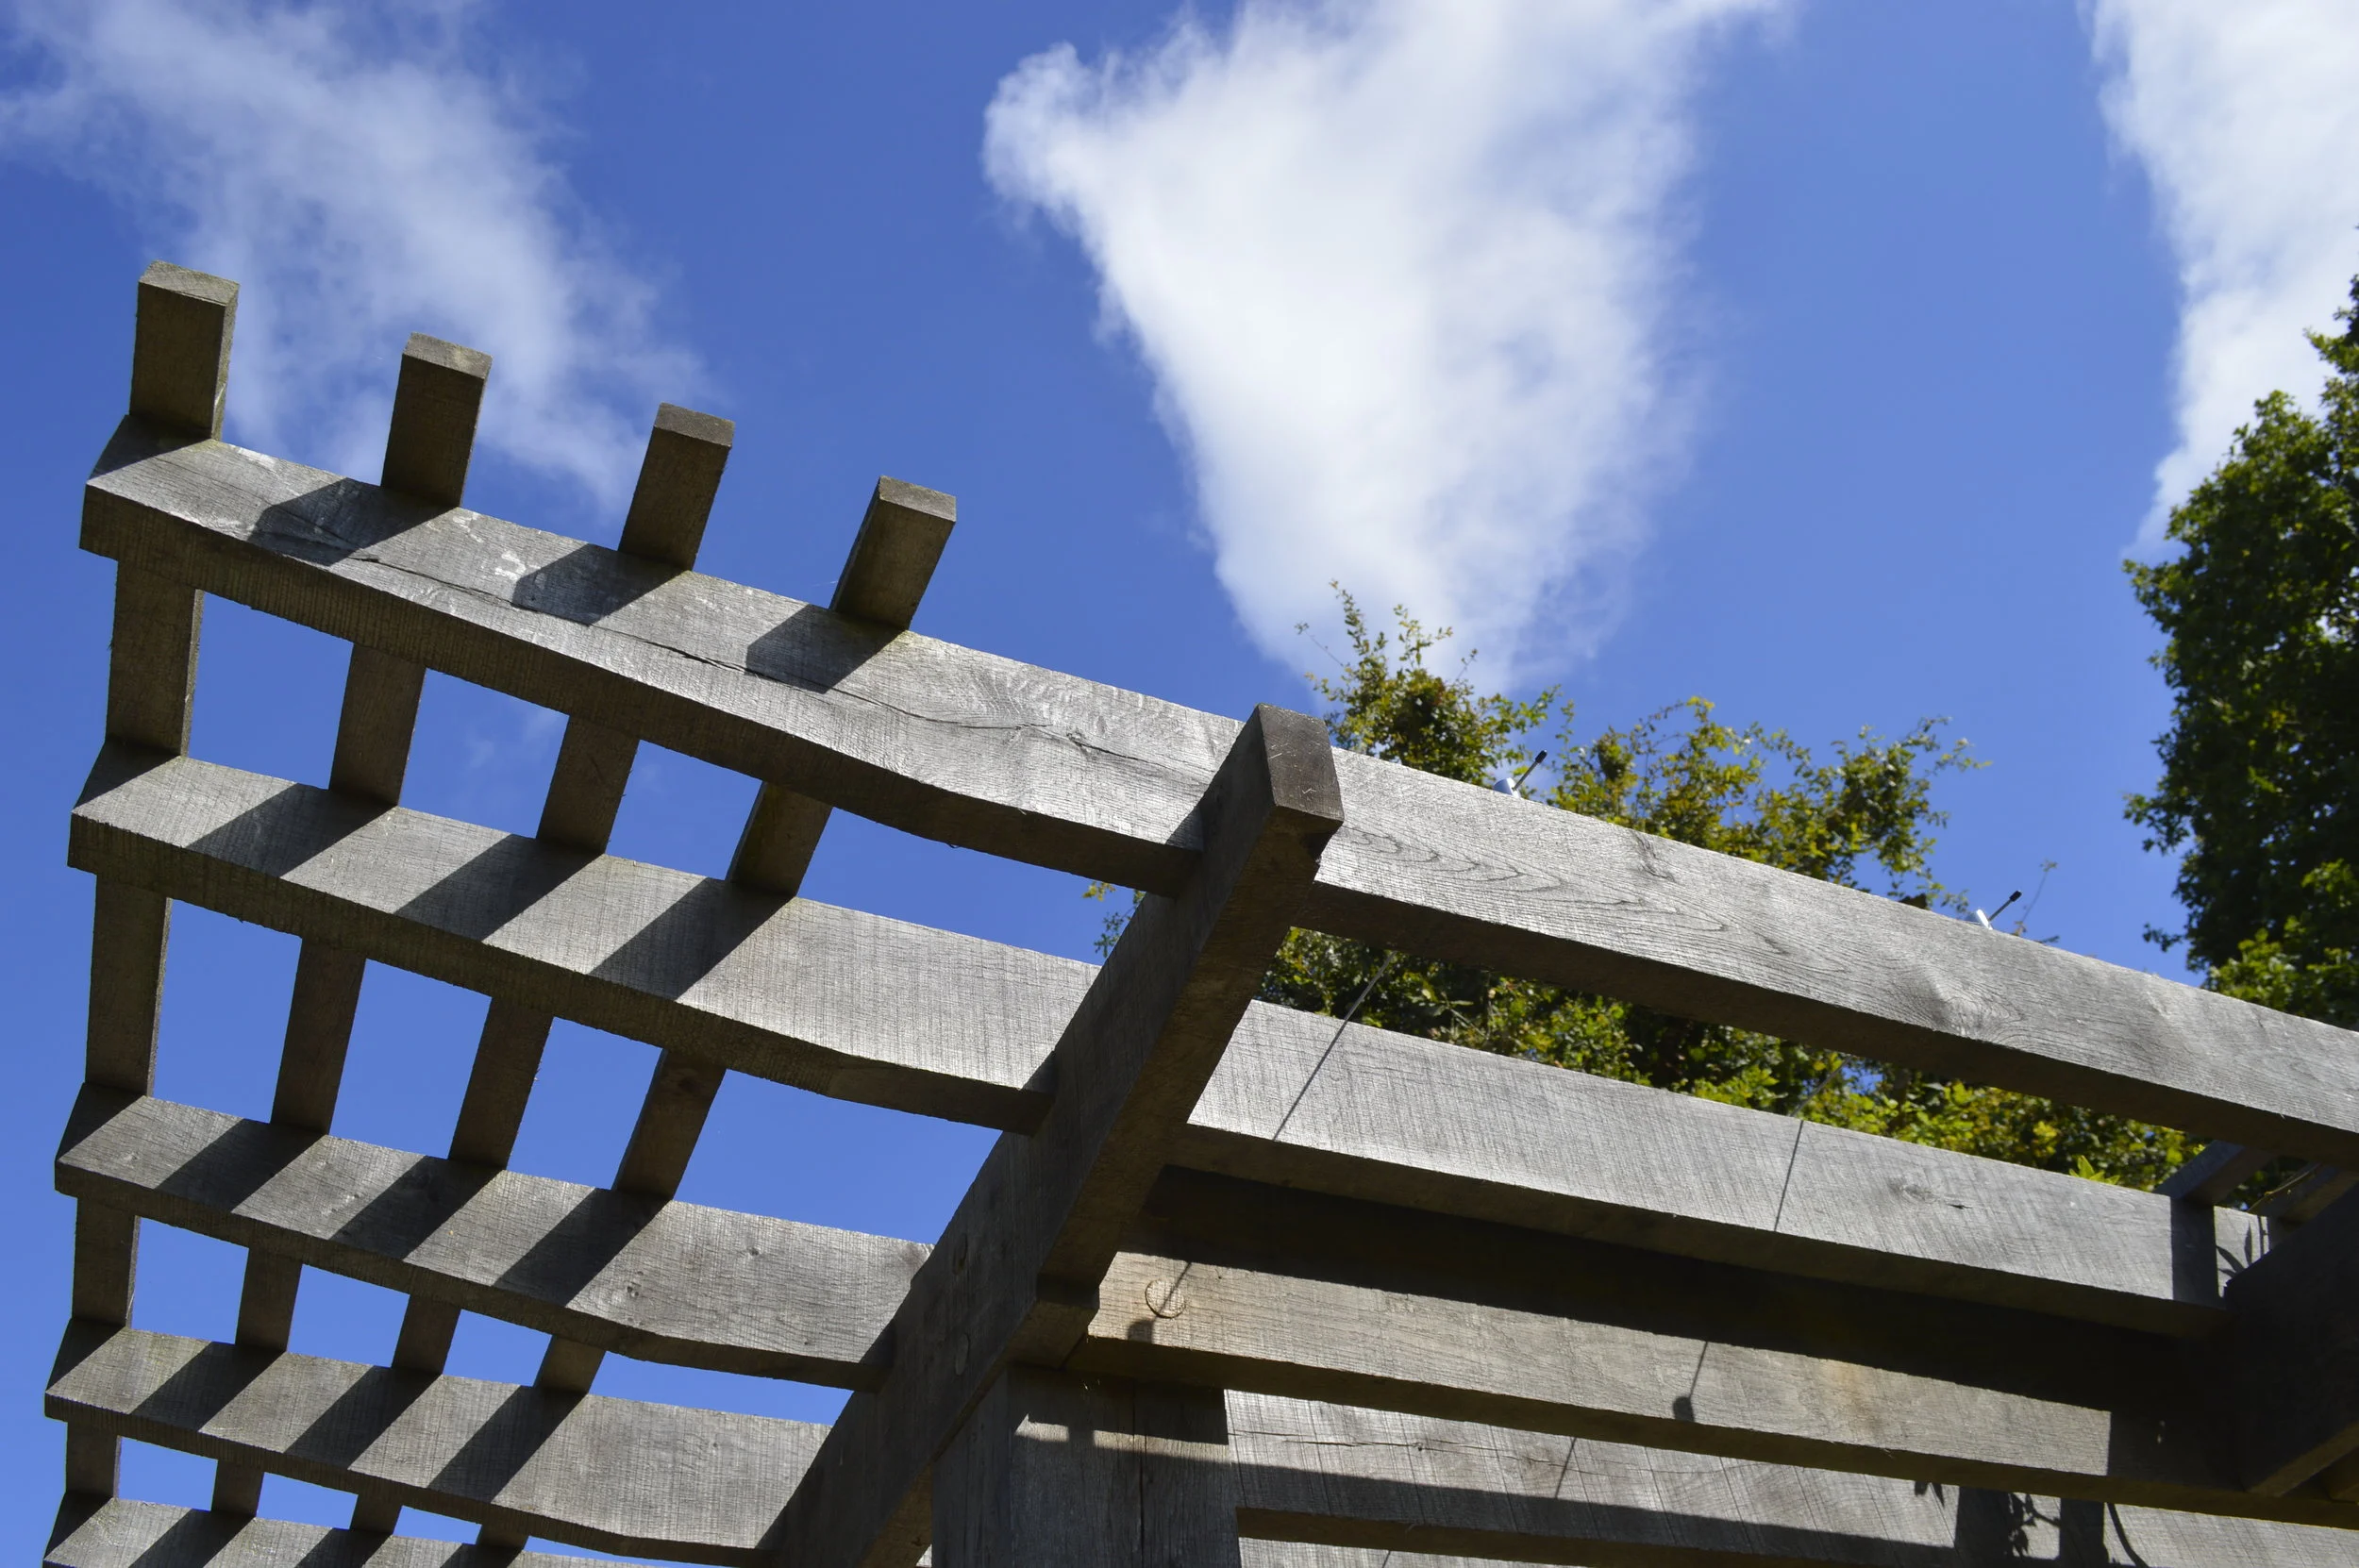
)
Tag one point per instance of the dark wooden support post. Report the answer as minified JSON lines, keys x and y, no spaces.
{"x":1014,"y":1279}
{"x":179,"y":382}
{"x":429,"y":448}
{"x":1055,"y":1471}
{"x":2292,"y":1360}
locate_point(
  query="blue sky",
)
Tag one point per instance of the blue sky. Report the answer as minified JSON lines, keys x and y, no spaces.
{"x":1822,"y":360}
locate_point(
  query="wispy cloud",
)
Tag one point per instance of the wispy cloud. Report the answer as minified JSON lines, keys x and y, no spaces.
{"x":1399,"y":269}
{"x":361,"y":176}
{"x":2246,"y":117}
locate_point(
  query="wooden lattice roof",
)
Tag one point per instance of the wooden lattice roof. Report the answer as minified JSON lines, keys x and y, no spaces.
{"x":1232,"y":1273}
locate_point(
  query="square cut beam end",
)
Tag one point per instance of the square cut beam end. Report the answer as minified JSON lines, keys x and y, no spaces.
{"x":678,"y":480}
{"x":180,"y":350}
{"x":899,"y":543}
{"x":436,"y":402}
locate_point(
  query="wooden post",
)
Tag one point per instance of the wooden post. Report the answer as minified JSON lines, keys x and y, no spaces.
{"x":179,"y":378}
{"x":1054,"y":1470}
{"x":180,"y":352}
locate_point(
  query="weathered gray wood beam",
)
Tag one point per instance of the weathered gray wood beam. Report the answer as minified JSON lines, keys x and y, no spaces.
{"x":872,"y":1009}
{"x":1013,"y":1278}
{"x":121,"y":1534}
{"x":180,"y":349}
{"x":611,"y":1475}
{"x":672,"y":1282}
{"x":1022,"y":762}
{"x":2114,"y":1425}
{"x":1054,"y":1470}
{"x":179,"y":381}
{"x":428,"y":446}
{"x":1378,"y":1486}
{"x":745,"y":1293}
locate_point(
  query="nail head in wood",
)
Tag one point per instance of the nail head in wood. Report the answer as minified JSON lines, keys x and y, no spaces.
{"x":180,"y":353}
{"x":893,"y":559}
{"x":678,"y":480}
{"x":435,"y":406}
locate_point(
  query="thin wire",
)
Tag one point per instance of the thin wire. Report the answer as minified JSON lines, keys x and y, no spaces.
{"x":1341,"y":1025}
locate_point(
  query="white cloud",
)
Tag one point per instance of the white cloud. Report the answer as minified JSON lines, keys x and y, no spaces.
{"x":360,"y":179}
{"x":2246,"y":117}
{"x":1399,"y":269}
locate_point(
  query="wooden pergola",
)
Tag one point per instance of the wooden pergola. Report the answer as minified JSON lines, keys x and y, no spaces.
{"x":1236,"y":1284}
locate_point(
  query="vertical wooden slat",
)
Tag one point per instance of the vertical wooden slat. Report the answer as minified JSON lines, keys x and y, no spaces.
{"x":180,"y":351}
{"x":179,"y":380}
{"x":679,"y":478}
{"x":429,"y":448}
{"x":891,"y":561}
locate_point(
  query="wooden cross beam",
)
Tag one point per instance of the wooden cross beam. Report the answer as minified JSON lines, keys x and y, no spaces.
{"x":1015,"y":1277}
{"x":1022,"y":762}
{"x":878,"y":1011}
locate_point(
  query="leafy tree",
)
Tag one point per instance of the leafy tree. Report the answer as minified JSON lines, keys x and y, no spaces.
{"x":1861,"y":818}
{"x":2260,"y":785}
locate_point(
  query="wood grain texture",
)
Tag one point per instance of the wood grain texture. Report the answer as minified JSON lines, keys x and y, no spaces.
{"x":894,"y":556}
{"x":1053,"y":1471}
{"x":671,"y":1282}
{"x":872,"y":1009}
{"x":1013,"y":1280}
{"x":151,"y":682}
{"x":121,"y":1534}
{"x":734,"y":978}
{"x":679,"y":479}
{"x":1375,"y":1482}
{"x":957,"y":746}
{"x":151,"y":660}
{"x":2118,"y":1428}
{"x":609,"y":1475}
{"x":180,"y":349}
{"x":431,"y":438}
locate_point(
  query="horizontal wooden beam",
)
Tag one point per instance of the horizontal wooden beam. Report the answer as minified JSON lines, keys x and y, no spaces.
{"x":611,"y":1475}
{"x":1798,"y":1371}
{"x":672,"y":1282}
{"x":2034,"y":1413}
{"x":974,"y":750}
{"x":1385,"y":1485}
{"x":875,"y":1010}
{"x":120,"y":1534}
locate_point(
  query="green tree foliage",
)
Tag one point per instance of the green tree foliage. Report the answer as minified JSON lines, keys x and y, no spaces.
{"x":1861,"y":817}
{"x":2260,"y":785}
